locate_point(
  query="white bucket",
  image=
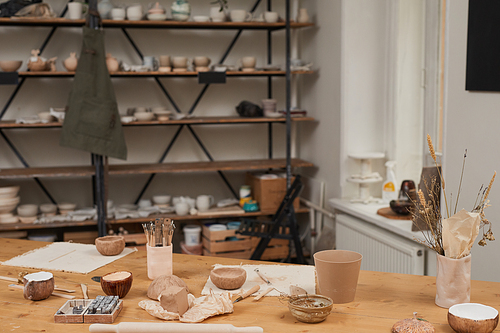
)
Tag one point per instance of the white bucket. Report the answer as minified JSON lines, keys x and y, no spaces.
{"x":192,"y":234}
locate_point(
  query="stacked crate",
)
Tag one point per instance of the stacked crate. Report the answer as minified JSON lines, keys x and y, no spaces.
{"x":229,"y":244}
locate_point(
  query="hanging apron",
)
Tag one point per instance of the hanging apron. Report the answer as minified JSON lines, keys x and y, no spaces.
{"x":92,"y":122}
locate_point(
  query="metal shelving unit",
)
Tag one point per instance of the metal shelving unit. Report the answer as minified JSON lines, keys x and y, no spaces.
{"x":97,"y":170}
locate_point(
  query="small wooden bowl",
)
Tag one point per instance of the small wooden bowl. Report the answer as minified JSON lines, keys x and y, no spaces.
{"x":310,"y":308}
{"x":228,"y":278}
{"x":117,"y":283}
{"x":110,"y":245}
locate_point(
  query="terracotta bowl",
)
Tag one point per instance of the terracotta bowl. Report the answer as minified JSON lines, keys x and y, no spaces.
{"x":10,"y":65}
{"x":310,"y":308}
{"x":110,"y":245}
{"x":228,"y":278}
{"x":117,"y":283}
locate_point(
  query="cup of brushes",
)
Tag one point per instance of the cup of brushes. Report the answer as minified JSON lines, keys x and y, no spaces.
{"x":159,"y":246}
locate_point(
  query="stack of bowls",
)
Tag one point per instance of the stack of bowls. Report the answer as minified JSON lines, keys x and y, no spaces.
{"x":8,"y":202}
{"x":27,"y":213}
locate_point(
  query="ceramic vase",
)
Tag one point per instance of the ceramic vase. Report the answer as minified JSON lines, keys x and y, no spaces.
{"x":303,"y":16}
{"x":112,"y":63}
{"x":181,"y":10}
{"x":452,"y":281}
{"x":71,"y":62}
{"x":104,"y":8}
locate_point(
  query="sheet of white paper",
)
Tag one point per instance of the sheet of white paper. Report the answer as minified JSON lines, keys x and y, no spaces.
{"x":66,"y":257}
{"x":281,"y":277}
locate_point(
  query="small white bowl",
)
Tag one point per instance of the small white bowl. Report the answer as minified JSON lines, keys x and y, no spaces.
{"x":144,"y":116}
{"x":201,"y":18}
{"x":46,"y":117}
{"x":127,"y":119}
{"x":27,"y":220}
{"x":163,"y":115}
{"x":28,"y":210}
{"x":48,"y":208}
{"x":157,"y":17}
{"x":66,"y":207}
{"x":161,"y":199}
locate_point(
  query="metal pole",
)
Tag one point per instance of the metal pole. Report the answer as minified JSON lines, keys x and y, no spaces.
{"x":288,"y":99}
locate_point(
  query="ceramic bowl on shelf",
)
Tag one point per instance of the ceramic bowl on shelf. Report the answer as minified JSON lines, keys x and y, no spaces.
{"x":27,"y":219}
{"x":157,"y":17}
{"x":7,"y":205}
{"x":144,"y":116}
{"x":10,"y":65}
{"x":46,"y":117}
{"x":161,"y":199}
{"x":66,"y":207}
{"x":9,"y":191}
{"x":201,"y":18}
{"x":48,"y":209}
{"x":27,"y":210}
{"x":163,"y":115}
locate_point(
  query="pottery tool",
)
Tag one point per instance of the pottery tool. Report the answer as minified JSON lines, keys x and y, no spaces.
{"x":262,"y":294}
{"x":6,"y":278}
{"x":160,"y":232}
{"x":262,"y":276}
{"x":51,"y":260}
{"x":18,"y":281}
{"x":15,"y":286}
{"x":132,"y":327}
{"x":84,"y":290}
{"x":247,"y":293}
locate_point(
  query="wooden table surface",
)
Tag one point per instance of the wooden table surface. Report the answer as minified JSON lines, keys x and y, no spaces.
{"x":381,"y":298}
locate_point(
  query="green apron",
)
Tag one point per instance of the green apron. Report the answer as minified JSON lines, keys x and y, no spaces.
{"x":92,"y":122}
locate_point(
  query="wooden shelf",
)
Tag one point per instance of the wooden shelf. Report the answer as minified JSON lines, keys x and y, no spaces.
{"x":8,"y":124}
{"x":63,"y":22}
{"x":131,"y":169}
{"x":31,"y":226}
{"x":256,"y":73}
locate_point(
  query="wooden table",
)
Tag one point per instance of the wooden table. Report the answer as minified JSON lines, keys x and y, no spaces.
{"x":381,"y":298}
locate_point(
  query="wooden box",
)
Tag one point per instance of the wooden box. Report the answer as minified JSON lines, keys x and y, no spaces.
{"x":83,"y":237}
{"x":269,"y":193}
{"x":215,"y":244}
{"x":65,"y":315}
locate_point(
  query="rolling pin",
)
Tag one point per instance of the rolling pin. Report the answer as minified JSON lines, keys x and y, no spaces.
{"x":133,"y":327}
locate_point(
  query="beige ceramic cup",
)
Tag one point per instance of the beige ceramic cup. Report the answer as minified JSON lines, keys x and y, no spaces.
{"x":337,"y":272}
{"x":179,"y":62}
{"x":248,"y":62}
{"x":201,"y":61}
{"x":164,"y":61}
{"x":159,"y":261}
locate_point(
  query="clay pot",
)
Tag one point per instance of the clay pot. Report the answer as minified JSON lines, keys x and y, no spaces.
{"x":38,"y":286}
{"x":228,"y":278}
{"x":337,"y":272}
{"x":10,"y":65}
{"x":110,"y":245}
{"x":71,"y":62}
{"x":112,"y":64}
{"x":117,"y":283}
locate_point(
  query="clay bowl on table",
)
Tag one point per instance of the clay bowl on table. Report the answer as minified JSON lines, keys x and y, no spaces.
{"x":310,"y":308}
{"x":10,"y":65}
{"x":110,"y":245}
{"x":117,"y":283}
{"x":228,"y":278}
{"x":401,"y":207}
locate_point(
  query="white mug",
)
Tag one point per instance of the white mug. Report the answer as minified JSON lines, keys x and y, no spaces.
{"x":240,"y":15}
{"x":204,"y":202}
{"x":182,"y":208}
{"x":75,"y":10}
{"x":271,"y":17}
{"x":118,"y":13}
{"x":150,"y":62}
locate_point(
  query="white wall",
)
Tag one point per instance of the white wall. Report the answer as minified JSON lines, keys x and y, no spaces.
{"x":471,"y":122}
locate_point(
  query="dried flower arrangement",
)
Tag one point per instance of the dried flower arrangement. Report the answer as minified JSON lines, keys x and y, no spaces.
{"x":454,"y":235}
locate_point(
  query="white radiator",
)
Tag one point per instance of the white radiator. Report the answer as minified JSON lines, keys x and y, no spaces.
{"x":382,"y":250}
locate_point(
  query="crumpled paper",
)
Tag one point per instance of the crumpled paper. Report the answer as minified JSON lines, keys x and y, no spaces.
{"x":459,"y":233}
{"x":199,"y":308}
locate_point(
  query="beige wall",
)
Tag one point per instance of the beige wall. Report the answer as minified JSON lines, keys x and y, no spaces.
{"x":471,"y":122}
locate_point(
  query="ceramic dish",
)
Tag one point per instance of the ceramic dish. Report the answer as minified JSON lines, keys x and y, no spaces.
{"x":310,"y":308}
{"x":201,"y":18}
{"x":163,"y":115}
{"x":8,"y":191}
{"x":27,"y":210}
{"x":24,"y":219}
{"x":157,"y":17}
{"x":8,"y":220}
{"x":144,"y":116}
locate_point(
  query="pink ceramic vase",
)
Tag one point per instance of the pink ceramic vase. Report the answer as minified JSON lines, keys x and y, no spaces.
{"x":452,"y":281}
{"x":71,"y":62}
